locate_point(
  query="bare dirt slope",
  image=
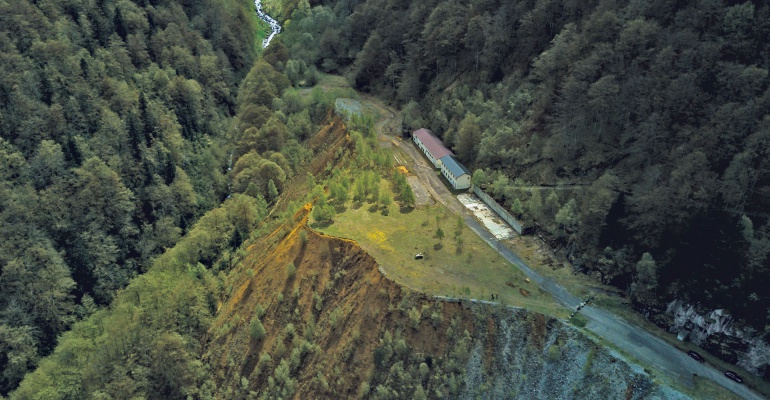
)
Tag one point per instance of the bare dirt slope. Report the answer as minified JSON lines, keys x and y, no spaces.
{"x":334,"y":327}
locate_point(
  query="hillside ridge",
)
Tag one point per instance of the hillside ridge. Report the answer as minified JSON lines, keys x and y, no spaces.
{"x":334,"y":326}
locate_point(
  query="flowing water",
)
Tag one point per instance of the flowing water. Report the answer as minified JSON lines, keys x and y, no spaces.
{"x":274,"y":25}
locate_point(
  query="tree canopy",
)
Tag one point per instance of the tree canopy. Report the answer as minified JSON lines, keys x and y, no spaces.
{"x":654,"y":117}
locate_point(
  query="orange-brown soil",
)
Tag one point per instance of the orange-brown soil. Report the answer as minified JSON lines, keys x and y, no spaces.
{"x":347,"y":281}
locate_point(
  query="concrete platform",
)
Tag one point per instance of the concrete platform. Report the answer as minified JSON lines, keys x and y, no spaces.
{"x":488,"y":218}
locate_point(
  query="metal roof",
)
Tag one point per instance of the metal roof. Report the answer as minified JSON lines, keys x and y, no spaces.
{"x":455,"y":168}
{"x":432,"y":143}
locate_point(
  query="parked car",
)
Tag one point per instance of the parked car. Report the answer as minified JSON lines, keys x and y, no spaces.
{"x":732,"y":375}
{"x":699,"y":358}
{"x":418,"y":256}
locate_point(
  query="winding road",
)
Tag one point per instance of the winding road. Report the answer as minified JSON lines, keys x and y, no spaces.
{"x":632,"y":339}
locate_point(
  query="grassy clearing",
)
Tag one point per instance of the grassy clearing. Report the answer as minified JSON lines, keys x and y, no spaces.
{"x":327,"y":81}
{"x":707,"y":389}
{"x":476,"y":271}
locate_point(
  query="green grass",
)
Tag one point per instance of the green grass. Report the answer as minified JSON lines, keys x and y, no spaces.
{"x":707,"y":389}
{"x":263,"y":30}
{"x":476,"y":272}
{"x":327,"y":81}
{"x":579,"y":321}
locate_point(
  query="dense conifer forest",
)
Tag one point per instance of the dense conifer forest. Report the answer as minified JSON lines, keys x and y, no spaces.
{"x":122,"y":124}
{"x":634,"y":135}
{"x":143,"y":141}
{"x":115,"y":119}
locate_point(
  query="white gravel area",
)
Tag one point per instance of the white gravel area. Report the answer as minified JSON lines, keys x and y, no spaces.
{"x":489,"y":218}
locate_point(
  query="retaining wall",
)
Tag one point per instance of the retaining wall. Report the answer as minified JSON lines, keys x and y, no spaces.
{"x":498,"y":209}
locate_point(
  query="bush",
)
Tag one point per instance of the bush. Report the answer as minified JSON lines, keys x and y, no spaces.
{"x":291,"y":270}
{"x":414,"y":317}
{"x":401,"y":347}
{"x":290,"y":330}
{"x":257,"y":330}
{"x":381,"y":356}
{"x":334,"y":317}
{"x":589,"y":361}
{"x":317,"y":301}
{"x":554,"y":352}
{"x":363,"y":390}
{"x":283,"y":372}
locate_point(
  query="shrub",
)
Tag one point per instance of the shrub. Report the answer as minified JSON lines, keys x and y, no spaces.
{"x":317,"y":301}
{"x":382,"y":392}
{"x":295,"y":358}
{"x":291,"y":270}
{"x":414,"y":317}
{"x":257,"y":330}
{"x":322,"y":380}
{"x":554,"y":352}
{"x":381,"y":355}
{"x":283,"y":372}
{"x":290,"y":330}
{"x":435,"y":318}
{"x":589,"y":361}
{"x":363,"y":389}
{"x":309,"y":331}
{"x":419,"y":394}
{"x":424,"y":371}
{"x":401,"y":347}
{"x":334,"y":317}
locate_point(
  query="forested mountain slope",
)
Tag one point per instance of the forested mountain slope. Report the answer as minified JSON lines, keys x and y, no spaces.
{"x":112,"y":120}
{"x":652,"y":114}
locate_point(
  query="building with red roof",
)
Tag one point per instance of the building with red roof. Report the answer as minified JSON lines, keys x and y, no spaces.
{"x":441,"y":157}
{"x":431,"y":146}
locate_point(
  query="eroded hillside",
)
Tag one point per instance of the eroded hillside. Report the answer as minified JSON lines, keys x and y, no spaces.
{"x":311,"y":316}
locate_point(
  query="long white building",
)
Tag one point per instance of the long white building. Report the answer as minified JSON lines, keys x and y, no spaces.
{"x":443,"y":158}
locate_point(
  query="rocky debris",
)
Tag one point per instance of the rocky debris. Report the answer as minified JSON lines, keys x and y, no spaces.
{"x":563,"y":364}
{"x":717,"y":332}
